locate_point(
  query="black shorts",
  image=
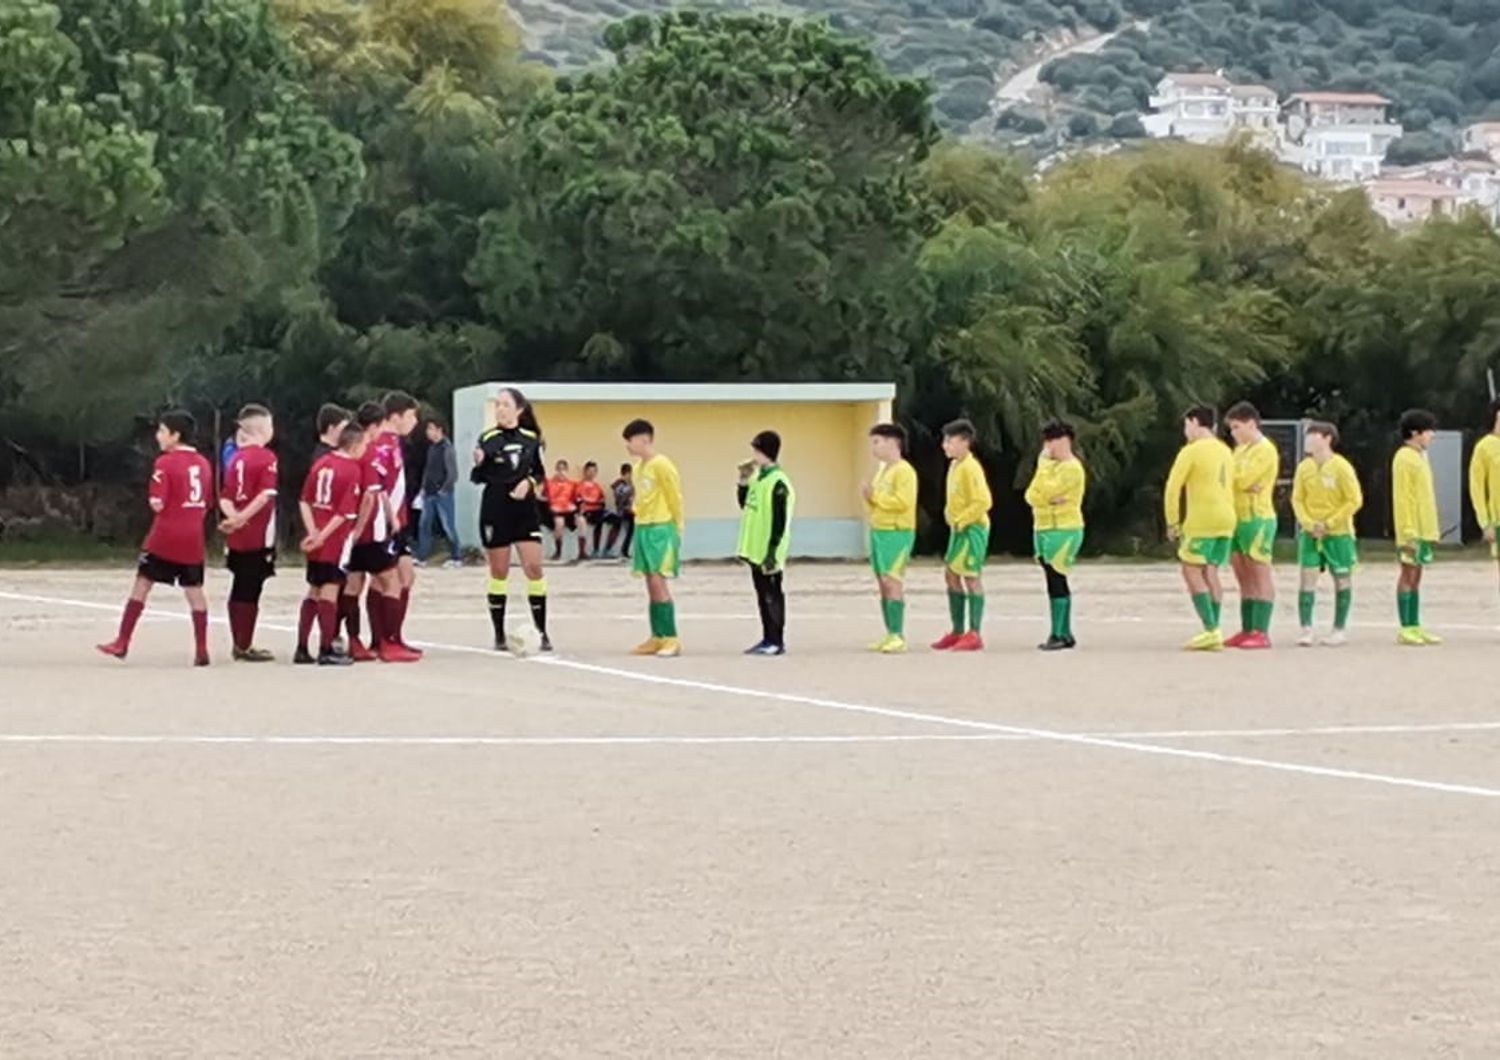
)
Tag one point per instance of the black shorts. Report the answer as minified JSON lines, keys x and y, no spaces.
{"x":506,"y":521}
{"x":594,"y":516}
{"x":260,"y":564}
{"x":373,"y":557}
{"x":402,"y":543}
{"x":165,"y":572}
{"x":321,"y":574}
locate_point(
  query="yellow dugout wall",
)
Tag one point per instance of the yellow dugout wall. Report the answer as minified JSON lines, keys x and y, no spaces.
{"x":706,"y":430}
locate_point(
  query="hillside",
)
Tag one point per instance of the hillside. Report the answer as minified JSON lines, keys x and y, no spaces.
{"x":1437,"y":58}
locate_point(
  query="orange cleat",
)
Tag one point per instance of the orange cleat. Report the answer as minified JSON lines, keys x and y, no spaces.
{"x":969,"y":642}
{"x":947,"y":641}
{"x":1238,"y":640}
{"x":1256,"y":641}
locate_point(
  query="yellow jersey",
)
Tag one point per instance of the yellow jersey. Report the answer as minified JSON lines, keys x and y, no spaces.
{"x":1327,"y":494}
{"x":969,"y":497}
{"x":893,"y":497}
{"x":1056,"y":494}
{"x":1414,"y":498}
{"x":1255,"y":469}
{"x":1484,"y":481}
{"x":658,"y":492}
{"x":1204,"y":471}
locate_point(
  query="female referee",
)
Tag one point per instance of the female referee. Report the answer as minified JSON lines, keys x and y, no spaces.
{"x":508,"y":464}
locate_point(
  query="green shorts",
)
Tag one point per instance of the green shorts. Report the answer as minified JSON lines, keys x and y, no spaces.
{"x":890,"y":551}
{"x":967,"y":548}
{"x":1416,"y":553}
{"x":1058,"y":548}
{"x":1336,"y":553}
{"x":1205,"y":551}
{"x":1256,"y":538}
{"x":658,"y":550}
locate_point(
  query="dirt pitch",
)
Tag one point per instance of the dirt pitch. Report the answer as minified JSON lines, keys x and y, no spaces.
{"x":1123,"y":852}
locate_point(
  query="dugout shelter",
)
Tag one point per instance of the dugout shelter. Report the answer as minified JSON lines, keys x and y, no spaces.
{"x":705,"y":428}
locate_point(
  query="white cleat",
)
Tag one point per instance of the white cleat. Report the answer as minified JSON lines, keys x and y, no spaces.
{"x":1336,"y":639}
{"x":1307,"y":640}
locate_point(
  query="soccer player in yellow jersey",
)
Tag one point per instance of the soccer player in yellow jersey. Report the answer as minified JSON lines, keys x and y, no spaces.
{"x":659,"y":524}
{"x":1056,"y":499}
{"x":891,"y":501}
{"x":1256,"y":465}
{"x":1203,"y":471}
{"x":1325,"y":496}
{"x":1414,"y":505}
{"x":968,"y":514}
{"x":1484,"y":480}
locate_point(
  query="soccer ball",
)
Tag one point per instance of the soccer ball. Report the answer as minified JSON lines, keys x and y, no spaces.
{"x":524,"y":642}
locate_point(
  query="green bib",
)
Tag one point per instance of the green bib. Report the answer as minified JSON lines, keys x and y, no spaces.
{"x":755,"y":520}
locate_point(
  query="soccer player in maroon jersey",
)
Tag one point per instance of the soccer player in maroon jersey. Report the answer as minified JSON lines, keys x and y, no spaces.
{"x":401,"y":413}
{"x":330,"y":506}
{"x":181,"y":495}
{"x":248,"y":501}
{"x":373,"y":556}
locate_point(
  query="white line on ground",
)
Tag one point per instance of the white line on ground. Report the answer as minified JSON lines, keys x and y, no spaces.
{"x":1047,"y":735}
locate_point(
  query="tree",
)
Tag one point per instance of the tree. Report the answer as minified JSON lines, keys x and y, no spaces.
{"x":732,"y":199}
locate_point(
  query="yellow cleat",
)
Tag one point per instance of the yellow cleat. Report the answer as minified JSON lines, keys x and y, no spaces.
{"x":893,"y":645}
{"x":1411,"y":637}
{"x":880,"y":644}
{"x":1429,"y":638}
{"x":647,"y":647}
{"x":668,"y":648}
{"x":1208,"y":640}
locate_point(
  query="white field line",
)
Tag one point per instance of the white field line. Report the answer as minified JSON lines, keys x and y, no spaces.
{"x":1048,"y":735}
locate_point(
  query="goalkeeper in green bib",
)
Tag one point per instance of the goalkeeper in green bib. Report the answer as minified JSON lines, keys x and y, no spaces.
{"x":766,"y":501}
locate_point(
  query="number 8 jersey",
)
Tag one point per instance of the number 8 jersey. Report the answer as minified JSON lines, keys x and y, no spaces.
{"x":182,"y":487}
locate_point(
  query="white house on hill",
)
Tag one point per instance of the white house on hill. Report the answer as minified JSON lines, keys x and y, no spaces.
{"x":1341,"y":136}
{"x":1483,"y":138}
{"x":1191,"y":106}
{"x":1408,"y":202}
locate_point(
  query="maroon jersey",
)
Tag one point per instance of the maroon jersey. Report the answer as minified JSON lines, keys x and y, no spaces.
{"x":333,"y":490}
{"x":392,"y":462}
{"x":251,"y":474}
{"x":374,"y":473}
{"x":182,"y":487}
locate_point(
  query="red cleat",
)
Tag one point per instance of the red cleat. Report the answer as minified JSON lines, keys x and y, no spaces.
{"x":1238,"y":640}
{"x":418,"y":652}
{"x":200,"y":660}
{"x":114,"y":649}
{"x":969,"y":642}
{"x":947,"y":641}
{"x":1256,"y":641}
{"x":395,"y":653}
{"x":359,"y":653}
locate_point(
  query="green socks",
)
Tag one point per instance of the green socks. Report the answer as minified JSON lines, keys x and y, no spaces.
{"x":894,"y":613}
{"x":663,"y":619}
{"x":1342,"y":601}
{"x":957,"y":605}
{"x":976,"y":612}
{"x":1203,"y":603}
{"x":1062,"y":616}
{"x":1305,"y":603}
{"x":1261,"y":615}
{"x":1247,"y":615}
{"x":1408,"y":609}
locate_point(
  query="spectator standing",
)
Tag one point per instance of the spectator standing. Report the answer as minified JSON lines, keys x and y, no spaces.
{"x":439,"y":479}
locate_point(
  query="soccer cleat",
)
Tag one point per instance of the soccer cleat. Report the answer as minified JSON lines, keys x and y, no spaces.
{"x":359,"y":653}
{"x":969,"y":642}
{"x":1411,"y":637}
{"x":649,"y":646}
{"x":200,"y":660}
{"x":391,"y":652}
{"x":1429,"y":638}
{"x":1057,"y":644}
{"x":1238,"y":639}
{"x":418,"y":652}
{"x":1336,"y":639}
{"x":879,"y":645}
{"x":767,"y":648}
{"x":546,"y":643}
{"x":668,"y":648}
{"x":114,"y":649}
{"x":304,"y":658}
{"x":947,"y":641}
{"x":327,"y":658}
{"x":500,"y":645}
{"x":253,"y":655}
{"x":1208,"y":640}
{"x":892,"y":645}
{"x":1307,"y":639}
{"x":755,"y":649}
{"x":1256,"y":641}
